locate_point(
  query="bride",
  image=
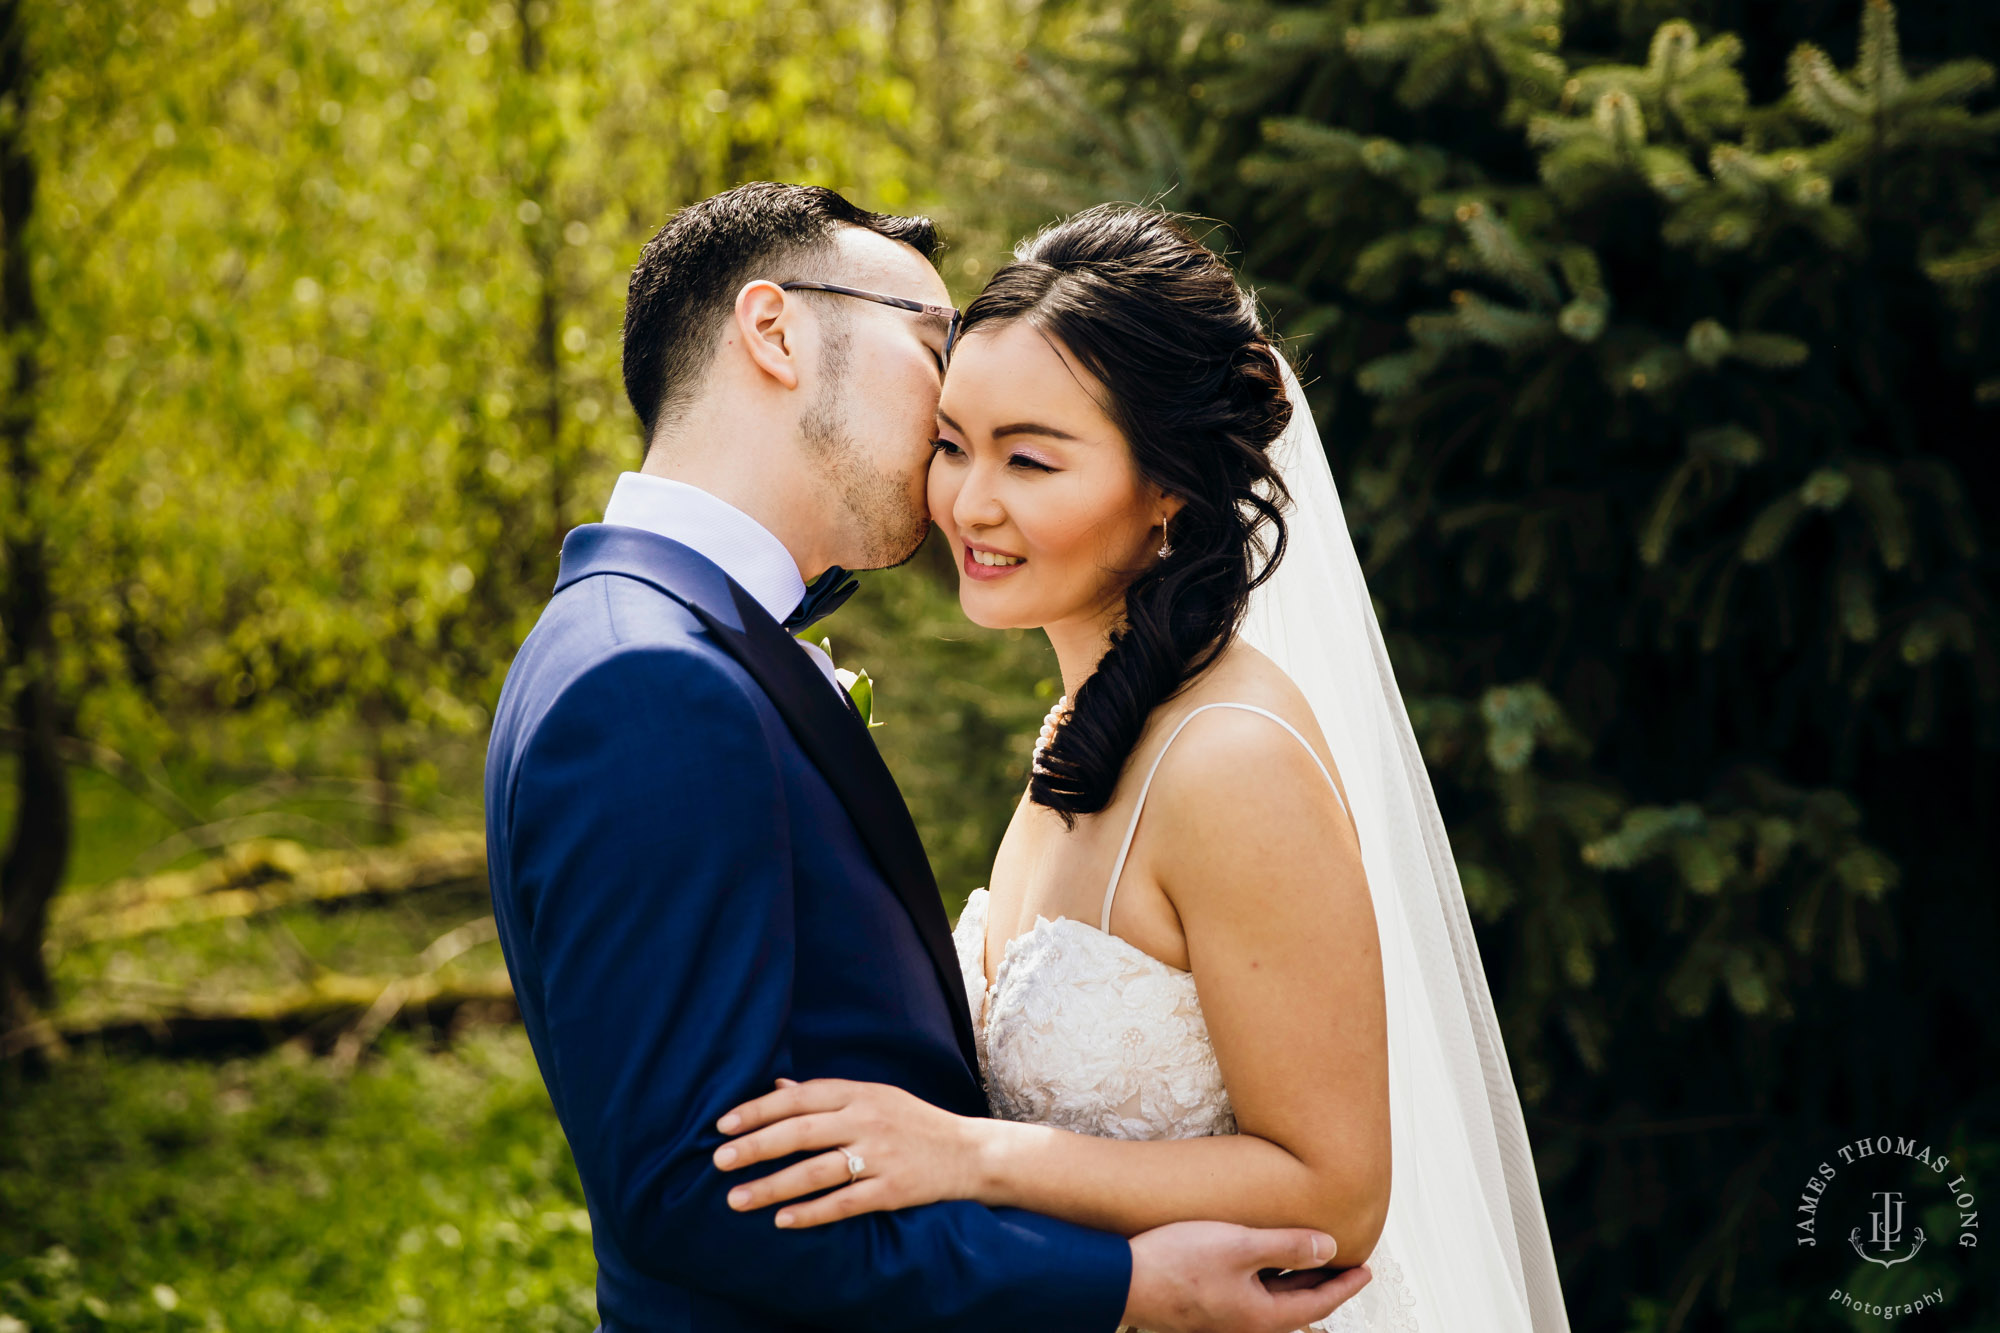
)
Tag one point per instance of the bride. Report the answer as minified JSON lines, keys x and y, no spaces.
{"x":1223,"y":969}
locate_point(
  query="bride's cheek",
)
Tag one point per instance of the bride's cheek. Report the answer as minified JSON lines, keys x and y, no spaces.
{"x":939,"y":490}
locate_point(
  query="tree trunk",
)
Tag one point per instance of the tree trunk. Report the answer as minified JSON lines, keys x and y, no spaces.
{"x":944,"y":88}
{"x":38,"y":852}
{"x":38,"y":849}
{"x":550,"y":368}
{"x":543,"y":246}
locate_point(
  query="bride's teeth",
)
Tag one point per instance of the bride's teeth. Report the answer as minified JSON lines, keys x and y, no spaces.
{"x":989,"y":558}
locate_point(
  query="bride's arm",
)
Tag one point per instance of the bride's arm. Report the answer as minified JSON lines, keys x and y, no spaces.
{"x":1262,"y":867}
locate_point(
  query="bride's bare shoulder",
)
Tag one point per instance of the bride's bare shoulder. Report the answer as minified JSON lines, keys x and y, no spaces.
{"x":1243,"y":675}
{"x":1238,"y":806}
{"x":1230,"y":762}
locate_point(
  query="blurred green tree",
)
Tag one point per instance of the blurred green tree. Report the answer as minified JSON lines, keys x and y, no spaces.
{"x":1661,"y":410}
{"x":312,"y":321}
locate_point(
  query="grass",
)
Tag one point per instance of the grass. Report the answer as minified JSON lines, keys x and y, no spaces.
{"x":429,"y":1189}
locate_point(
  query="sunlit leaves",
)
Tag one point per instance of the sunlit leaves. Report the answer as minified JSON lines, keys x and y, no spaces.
{"x":334,"y":301}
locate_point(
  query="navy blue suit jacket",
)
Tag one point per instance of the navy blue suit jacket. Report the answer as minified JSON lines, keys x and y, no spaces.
{"x":704,"y":879}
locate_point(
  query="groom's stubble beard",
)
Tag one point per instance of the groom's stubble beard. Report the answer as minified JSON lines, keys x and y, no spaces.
{"x":884,"y":527}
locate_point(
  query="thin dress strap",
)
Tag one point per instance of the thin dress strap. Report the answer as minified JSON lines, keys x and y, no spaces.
{"x":1117,"y":870}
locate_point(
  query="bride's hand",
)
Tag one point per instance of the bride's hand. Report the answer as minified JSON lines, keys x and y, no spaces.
{"x":911,"y":1152}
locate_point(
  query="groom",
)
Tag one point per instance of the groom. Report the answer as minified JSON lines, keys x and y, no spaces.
{"x":704,"y":876}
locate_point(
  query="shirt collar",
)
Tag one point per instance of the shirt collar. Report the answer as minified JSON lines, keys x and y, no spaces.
{"x":734,"y":542}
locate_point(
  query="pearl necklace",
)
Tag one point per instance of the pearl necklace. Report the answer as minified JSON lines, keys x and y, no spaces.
{"x":1048,"y":732}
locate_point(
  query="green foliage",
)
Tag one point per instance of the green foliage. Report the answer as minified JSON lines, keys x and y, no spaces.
{"x":1651,"y":367}
{"x":427,"y":1190}
{"x":328,"y":361}
{"x":329,"y":357}
{"x":333,"y":356}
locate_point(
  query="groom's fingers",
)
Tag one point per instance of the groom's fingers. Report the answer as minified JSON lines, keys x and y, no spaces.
{"x":1297,"y":1279}
{"x":1289,"y":1247}
{"x":808,"y":1177}
{"x":821,"y":1094}
{"x":1309,"y":1305}
{"x":801,"y":1133}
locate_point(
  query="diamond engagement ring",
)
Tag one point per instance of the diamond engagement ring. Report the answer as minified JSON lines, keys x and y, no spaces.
{"x":855,"y":1166}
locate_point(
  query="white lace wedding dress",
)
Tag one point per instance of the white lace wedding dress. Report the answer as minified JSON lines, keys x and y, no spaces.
{"x":1086,"y":1032}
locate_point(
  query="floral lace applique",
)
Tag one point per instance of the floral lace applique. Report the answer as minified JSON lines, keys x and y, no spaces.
{"x":1086,"y":1032}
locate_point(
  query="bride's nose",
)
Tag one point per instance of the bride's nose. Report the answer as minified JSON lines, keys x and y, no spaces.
{"x":977,"y":505}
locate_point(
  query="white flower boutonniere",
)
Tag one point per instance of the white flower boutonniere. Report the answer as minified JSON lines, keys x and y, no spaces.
{"x":860,"y":689}
{"x":858,"y":684}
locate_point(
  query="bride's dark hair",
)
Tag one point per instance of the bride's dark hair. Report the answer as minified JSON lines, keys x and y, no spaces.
{"x":1194,"y":385}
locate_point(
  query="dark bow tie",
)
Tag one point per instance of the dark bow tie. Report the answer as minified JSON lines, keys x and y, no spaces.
{"x":824,"y":596}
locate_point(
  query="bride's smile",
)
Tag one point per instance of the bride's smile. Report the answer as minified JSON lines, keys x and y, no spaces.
{"x":983,"y":562}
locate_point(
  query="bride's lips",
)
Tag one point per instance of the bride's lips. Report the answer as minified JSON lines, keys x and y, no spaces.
{"x":985,"y":573}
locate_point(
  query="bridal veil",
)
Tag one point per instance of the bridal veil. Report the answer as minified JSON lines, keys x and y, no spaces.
{"x":1465,"y":1212}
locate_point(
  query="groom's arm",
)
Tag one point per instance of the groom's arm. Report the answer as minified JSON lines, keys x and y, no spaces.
{"x":651,"y":855}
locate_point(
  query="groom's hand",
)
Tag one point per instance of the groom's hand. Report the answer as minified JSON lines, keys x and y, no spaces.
{"x":1203,"y":1277}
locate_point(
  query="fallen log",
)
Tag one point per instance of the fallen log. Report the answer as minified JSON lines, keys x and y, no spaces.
{"x":262,"y":876}
{"x":321,"y":1010}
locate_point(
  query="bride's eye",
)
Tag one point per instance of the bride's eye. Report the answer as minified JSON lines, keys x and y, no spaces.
{"x":1023,"y":460}
{"x":945,"y":447}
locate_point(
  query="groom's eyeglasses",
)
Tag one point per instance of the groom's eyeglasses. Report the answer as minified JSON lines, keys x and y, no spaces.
{"x":952,"y":318}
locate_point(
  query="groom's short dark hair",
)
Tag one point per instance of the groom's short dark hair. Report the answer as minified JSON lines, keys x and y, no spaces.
{"x":688,"y":275}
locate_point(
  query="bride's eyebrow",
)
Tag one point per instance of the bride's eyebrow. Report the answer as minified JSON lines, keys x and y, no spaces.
{"x":1014,"y":428}
{"x":1032,"y":428}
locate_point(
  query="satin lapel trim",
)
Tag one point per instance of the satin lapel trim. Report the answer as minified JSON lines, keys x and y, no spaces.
{"x":681,"y":572}
{"x":837,"y":741}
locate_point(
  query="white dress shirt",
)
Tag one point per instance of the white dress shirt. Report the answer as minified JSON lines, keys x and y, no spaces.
{"x":734,"y":542}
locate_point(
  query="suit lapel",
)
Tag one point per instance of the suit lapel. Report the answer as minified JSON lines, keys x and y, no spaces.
{"x":833,"y":736}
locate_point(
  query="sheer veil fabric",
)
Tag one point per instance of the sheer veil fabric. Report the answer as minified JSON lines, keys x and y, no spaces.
{"x":1465,"y":1212}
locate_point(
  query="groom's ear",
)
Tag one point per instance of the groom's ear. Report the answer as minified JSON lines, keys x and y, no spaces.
{"x":766,"y":325}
